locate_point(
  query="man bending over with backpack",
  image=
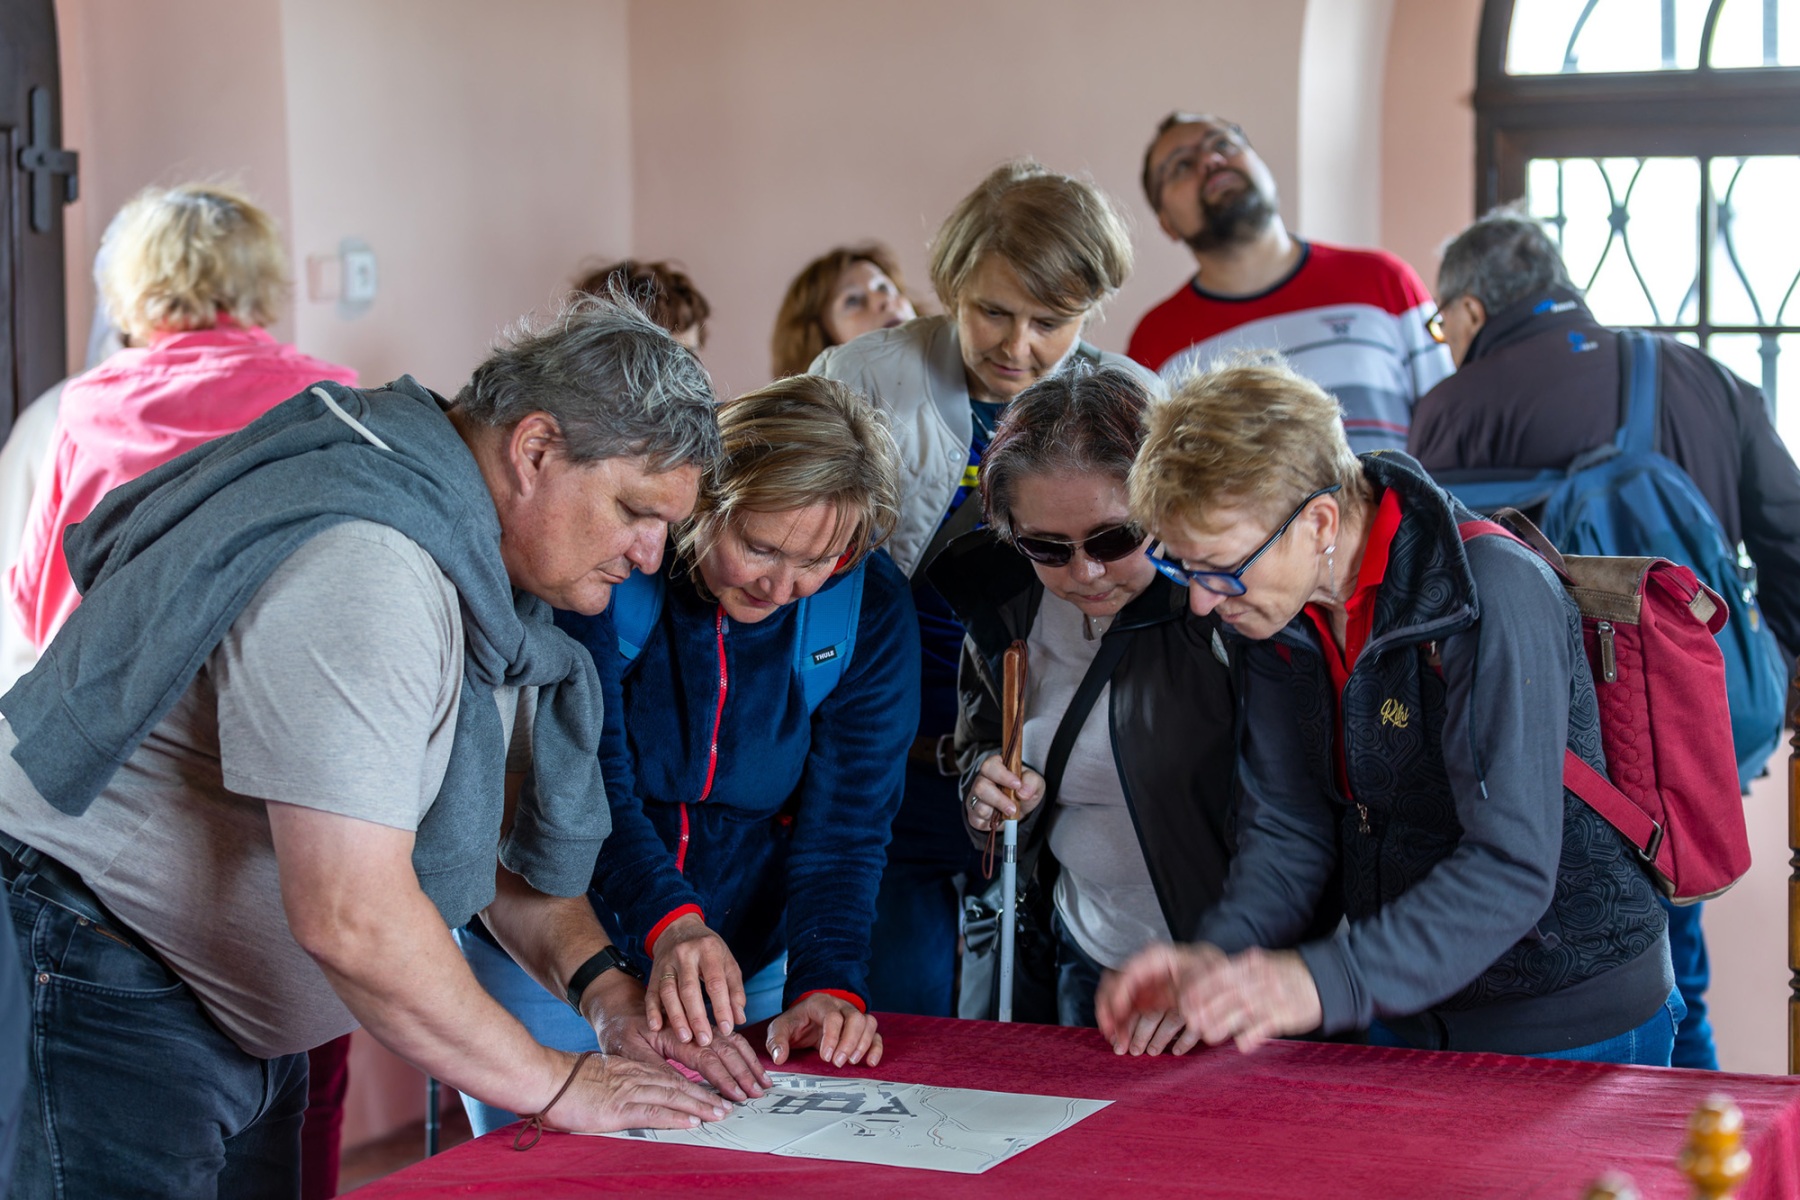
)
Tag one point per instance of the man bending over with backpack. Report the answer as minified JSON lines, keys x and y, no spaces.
{"x":1540,"y":383}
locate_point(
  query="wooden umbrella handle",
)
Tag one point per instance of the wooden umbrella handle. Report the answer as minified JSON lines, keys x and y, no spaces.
{"x":1012,"y":709}
{"x":1012,"y":734}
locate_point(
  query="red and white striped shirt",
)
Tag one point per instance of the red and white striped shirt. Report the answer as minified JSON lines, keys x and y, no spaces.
{"x":1353,"y":321}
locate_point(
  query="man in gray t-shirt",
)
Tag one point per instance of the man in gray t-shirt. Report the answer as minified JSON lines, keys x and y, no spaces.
{"x":243,"y":887}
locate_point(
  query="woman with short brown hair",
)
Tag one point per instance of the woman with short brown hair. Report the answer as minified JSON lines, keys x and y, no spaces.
{"x":1019,"y":265}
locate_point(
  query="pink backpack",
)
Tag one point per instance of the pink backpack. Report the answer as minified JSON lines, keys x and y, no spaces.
{"x":1649,"y":627}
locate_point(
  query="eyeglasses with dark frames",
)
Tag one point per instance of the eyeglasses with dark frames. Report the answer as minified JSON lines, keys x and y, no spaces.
{"x":1230,"y":583}
{"x":1109,"y":545}
{"x":1185,"y":162}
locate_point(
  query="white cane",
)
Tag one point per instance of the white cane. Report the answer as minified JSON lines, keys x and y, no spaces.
{"x":1009,"y":884}
{"x":1012,"y":736}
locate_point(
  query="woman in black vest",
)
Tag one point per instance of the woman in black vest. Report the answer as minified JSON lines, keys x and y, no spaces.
{"x":1408,"y":703}
{"x":1134,"y":846}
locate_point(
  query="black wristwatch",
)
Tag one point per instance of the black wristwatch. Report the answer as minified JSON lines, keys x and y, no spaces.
{"x":587,"y":972}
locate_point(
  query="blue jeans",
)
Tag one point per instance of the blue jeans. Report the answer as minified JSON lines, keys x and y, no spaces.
{"x":15,"y":1026}
{"x":131,"y":1089}
{"x":1687,"y":950}
{"x":553,"y":1023}
{"x":1649,"y":1045}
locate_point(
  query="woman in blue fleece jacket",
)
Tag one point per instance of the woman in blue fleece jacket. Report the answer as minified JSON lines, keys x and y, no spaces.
{"x":748,"y":826}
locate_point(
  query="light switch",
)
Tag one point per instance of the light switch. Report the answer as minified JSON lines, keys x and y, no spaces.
{"x":358,"y":279}
{"x":359,"y":276}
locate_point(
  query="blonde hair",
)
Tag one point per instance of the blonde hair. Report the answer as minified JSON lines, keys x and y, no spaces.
{"x":1062,"y":235}
{"x":799,"y":441}
{"x":800,"y":334}
{"x":1251,"y":433}
{"x":178,"y":257}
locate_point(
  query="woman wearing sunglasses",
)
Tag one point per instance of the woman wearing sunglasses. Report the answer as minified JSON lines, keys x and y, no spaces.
{"x":1133,"y":845}
{"x":1409,"y":699}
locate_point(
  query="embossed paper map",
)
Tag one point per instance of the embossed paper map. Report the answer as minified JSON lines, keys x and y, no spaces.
{"x":887,"y":1124}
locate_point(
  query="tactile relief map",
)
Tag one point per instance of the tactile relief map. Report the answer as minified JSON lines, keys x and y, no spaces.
{"x":888,"y":1124}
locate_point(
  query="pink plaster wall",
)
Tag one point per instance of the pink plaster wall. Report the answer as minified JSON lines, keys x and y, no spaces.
{"x":1746,"y":936}
{"x":1344,"y":48}
{"x":1428,"y":128}
{"x":765,"y":133}
{"x":163,"y":93}
{"x":482,"y":150}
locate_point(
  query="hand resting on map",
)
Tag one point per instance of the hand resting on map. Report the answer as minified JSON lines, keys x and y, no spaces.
{"x":842,"y":1032}
{"x":1198,"y":993}
{"x":615,"y":1005}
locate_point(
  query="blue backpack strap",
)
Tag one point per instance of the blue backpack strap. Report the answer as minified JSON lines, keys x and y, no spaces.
{"x":636,"y":605}
{"x":825,"y":636}
{"x":1640,"y":381}
{"x":1487,"y":495}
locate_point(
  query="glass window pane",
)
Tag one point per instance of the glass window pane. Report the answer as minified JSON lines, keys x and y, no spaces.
{"x":1757,"y":33}
{"x":1787,"y":386}
{"x":1629,"y":231}
{"x":1756,"y":254}
{"x":1778,"y":374}
{"x":1742,"y":352}
{"x":1550,"y":37}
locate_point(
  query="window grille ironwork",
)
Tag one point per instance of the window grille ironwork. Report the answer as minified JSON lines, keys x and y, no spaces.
{"x":1659,"y":140}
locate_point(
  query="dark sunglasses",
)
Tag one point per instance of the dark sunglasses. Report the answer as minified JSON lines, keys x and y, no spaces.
{"x":1109,"y":545}
{"x":1230,"y":583}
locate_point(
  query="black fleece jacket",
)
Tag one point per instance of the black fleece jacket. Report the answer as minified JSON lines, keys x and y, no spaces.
{"x":1489,"y":908}
{"x":1170,"y":715}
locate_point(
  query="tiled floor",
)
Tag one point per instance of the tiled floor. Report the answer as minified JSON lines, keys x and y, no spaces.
{"x":399,"y":1149}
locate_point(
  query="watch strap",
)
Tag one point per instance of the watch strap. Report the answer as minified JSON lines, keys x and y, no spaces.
{"x":607,"y":959}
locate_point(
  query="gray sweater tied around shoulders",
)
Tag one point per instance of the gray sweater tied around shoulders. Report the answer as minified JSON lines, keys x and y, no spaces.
{"x":167,"y":562}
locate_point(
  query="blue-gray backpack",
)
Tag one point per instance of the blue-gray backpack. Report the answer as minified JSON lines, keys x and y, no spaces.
{"x":825,"y":624}
{"x":1625,"y":499}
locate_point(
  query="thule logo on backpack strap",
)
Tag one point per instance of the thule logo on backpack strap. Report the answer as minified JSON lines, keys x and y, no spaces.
{"x":824,"y":656}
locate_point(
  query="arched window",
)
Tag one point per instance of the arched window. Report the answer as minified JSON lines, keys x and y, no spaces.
{"x":1660,"y":141}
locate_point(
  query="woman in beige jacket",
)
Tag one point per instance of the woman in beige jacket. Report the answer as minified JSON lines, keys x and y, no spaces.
{"x":1019,"y":266}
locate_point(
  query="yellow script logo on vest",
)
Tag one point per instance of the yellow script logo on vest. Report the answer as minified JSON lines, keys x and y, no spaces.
{"x":1394,"y":713}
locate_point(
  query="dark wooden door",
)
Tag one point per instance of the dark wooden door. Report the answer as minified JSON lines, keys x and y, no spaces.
{"x":39,"y":180}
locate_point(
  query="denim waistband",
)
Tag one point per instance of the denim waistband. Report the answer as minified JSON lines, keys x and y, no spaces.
{"x":56,"y":883}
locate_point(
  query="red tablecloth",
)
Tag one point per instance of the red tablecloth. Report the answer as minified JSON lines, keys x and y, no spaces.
{"x":1294,"y":1120}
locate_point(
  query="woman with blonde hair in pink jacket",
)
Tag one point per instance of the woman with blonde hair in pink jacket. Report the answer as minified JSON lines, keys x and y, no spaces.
{"x":190,"y":275}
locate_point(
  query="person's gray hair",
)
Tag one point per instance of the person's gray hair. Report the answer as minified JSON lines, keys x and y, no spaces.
{"x":616,"y":383}
{"x":1501,"y":259}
